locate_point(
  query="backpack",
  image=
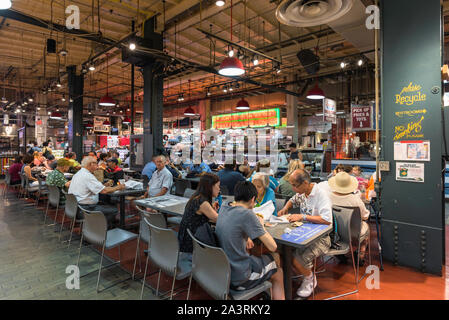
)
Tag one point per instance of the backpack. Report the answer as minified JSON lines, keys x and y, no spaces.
{"x":206,"y":235}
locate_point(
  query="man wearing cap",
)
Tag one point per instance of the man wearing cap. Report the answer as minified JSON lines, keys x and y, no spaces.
{"x":316,"y":207}
{"x":113,"y":171}
{"x":343,"y":194}
{"x":56,"y":177}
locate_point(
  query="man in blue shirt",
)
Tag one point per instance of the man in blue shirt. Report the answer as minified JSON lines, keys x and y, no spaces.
{"x":149,"y":168}
{"x":229,"y":177}
{"x":199,"y":168}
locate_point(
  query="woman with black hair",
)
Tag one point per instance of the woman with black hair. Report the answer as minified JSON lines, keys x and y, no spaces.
{"x":199,"y":210}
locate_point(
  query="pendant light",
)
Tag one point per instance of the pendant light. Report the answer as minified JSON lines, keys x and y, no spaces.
{"x":106,"y":123}
{"x":126,"y":121}
{"x":107,"y":101}
{"x":5,"y":4}
{"x":316,"y":93}
{"x":189,"y":112}
{"x":231,"y":66}
{"x":56,"y":116}
{"x":243,"y":105}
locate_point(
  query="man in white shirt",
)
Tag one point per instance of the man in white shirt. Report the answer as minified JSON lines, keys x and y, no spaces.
{"x":161,"y":180}
{"x":316,"y":207}
{"x":86,"y":189}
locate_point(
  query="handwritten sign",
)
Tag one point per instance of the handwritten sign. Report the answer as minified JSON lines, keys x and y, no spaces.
{"x":362,"y":117}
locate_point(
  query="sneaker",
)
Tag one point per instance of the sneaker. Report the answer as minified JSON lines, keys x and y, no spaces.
{"x":307,"y":286}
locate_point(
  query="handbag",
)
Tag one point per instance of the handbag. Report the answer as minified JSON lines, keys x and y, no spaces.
{"x":206,"y":235}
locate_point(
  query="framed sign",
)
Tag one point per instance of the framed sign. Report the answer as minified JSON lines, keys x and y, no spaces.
{"x":410,"y":172}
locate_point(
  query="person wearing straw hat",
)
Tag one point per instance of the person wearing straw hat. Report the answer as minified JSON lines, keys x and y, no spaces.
{"x":343,"y":194}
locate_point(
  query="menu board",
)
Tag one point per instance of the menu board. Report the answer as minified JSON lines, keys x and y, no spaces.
{"x":252,"y":119}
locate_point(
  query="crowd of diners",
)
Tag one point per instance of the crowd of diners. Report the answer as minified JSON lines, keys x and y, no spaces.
{"x":239,"y":230}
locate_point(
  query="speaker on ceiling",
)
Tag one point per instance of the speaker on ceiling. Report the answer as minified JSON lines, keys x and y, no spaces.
{"x":51,"y":46}
{"x":309,"y":61}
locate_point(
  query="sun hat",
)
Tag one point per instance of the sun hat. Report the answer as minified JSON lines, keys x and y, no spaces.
{"x":343,"y":183}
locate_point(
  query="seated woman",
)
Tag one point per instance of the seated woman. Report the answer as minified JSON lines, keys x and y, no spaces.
{"x":285,"y":188}
{"x":264,"y":167}
{"x":26,"y":169}
{"x":343,"y":187}
{"x":264,"y":192}
{"x":199,"y":210}
{"x":15,"y":169}
{"x":38,"y":159}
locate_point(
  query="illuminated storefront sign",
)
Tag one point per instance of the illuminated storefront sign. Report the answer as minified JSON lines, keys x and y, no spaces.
{"x":251,"y":119}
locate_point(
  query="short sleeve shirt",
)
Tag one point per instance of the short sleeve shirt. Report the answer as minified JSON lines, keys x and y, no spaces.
{"x":318,"y":203}
{"x":234,"y":226}
{"x":85,"y":187}
{"x":160,"y":179}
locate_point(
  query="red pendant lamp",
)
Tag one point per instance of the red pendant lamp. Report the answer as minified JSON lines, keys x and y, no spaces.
{"x":189,"y":112}
{"x":89,"y":126}
{"x":107,"y":101}
{"x":126,"y":120}
{"x":106,"y":123}
{"x":231,"y":66}
{"x":243,"y":105}
{"x":56,"y":115}
{"x":316,"y":93}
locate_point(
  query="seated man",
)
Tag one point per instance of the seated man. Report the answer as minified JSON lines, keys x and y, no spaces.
{"x":113,"y":171}
{"x":161,"y":180}
{"x":229,"y":177}
{"x":237,"y":227}
{"x":197,"y":169}
{"x":87,"y":188}
{"x":316,"y":207}
{"x":56,"y":177}
{"x":149,"y":168}
{"x":172,"y":168}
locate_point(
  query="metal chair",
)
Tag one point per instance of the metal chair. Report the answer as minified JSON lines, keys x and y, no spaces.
{"x":212,"y":271}
{"x":363,"y":237}
{"x":71,"y":211}
{"x":164,"y":253}
{"x":95,"y":232}
{"x":181,"y":185}
{"x":8,"y":184}
{"x":348,"y":228}
{"x":42,"y":189}
{"x":156,"y":219}
{"x":54,"y":196}
{"x":188,"y":193}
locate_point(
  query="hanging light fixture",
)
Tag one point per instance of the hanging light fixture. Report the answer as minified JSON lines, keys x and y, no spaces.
{"x":106,"y":123}
{"x":89,"y":126}
{"x":231,"y":66}
{"x":189,"y":112}
{"x":56,"y":116}
{"x":220,"y":3}
{"x":5,"y":4}
{"x":316,"y":93}
{"x":107,"y":101}
{"x":126,"y":121}
{"x":242,"y":105}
